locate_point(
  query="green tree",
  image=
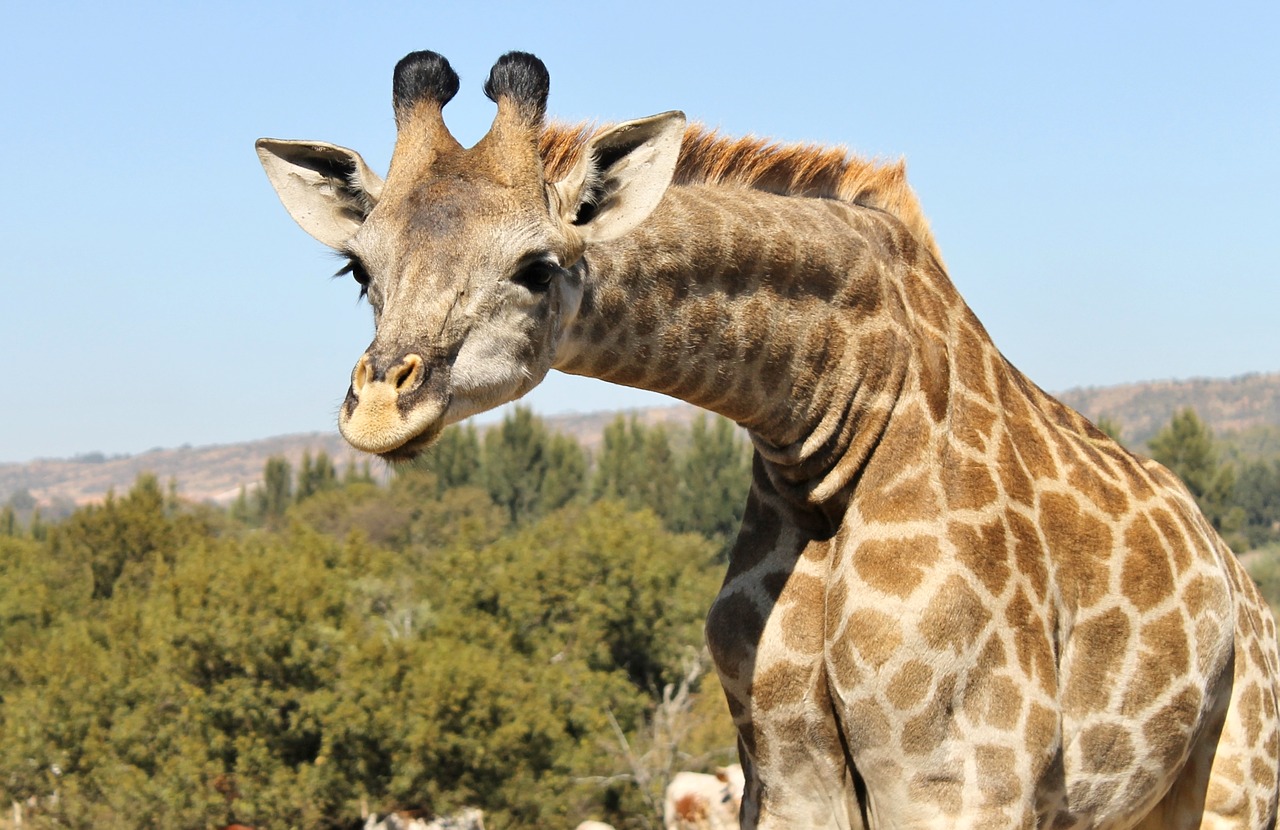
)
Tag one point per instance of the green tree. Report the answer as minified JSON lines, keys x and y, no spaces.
{"x":36,"y":527}
{"x":277,"y":489}
{"x":357,"y":473}
{"x":621,"y":463}
{"x":526,"y":470}
{"x":315,"y":476}
{"x":121,"y":533}
{"x":455,"y":458}
{"x":381,"y":644}
{"x":243,"y":510}
{"x":566,"y":474}
{"x":715,"y":475}
{"x":637,"y":466}
{"x":1257,"y":493}
{"x":1111,"y":427}
{"x":1186,"y":447}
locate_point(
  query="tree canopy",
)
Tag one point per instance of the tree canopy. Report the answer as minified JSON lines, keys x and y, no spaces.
{"x":471,"y":633}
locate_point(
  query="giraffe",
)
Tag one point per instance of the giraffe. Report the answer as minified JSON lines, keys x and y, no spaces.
{"x":953,"y":601}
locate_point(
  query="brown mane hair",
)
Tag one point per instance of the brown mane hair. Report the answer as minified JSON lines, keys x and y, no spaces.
{"x":706,"y":157}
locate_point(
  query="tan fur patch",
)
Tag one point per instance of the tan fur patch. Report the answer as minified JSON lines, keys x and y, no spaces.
{"x":983,"y":551}
{"x":875,"y":636}
{"x":781,"y":684}
{"x":869,"y":726}
{"x":1034,"y":652}
{"x":802,"y":627}
{"x":998,"y":773}
{"x":1146,"y":578}
{"x":902,"y":500}
{"x":1085,"y":543}
{"x":909,"y":686}
{"x":968,"y":485}
{"x":1099,"y":648}
{"x":896,"y":566}
{"x":1168,"y":730}
{"x":955,"y":617}
{"x":1106,"y":748}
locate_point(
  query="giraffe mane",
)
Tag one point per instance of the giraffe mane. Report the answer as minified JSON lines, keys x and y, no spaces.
{"x":707,"y":157}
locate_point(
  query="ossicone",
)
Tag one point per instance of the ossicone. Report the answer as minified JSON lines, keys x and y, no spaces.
{"x":423,"y":77}
{"x":523,"y":80}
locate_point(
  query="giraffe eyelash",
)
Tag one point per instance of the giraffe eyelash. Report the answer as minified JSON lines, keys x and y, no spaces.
{"x":356,"y":269}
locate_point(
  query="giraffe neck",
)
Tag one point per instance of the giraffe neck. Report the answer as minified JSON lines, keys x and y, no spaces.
{"x":783,"y":314}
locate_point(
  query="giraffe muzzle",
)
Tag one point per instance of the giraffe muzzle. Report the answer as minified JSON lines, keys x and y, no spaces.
{"x":385,"y":407}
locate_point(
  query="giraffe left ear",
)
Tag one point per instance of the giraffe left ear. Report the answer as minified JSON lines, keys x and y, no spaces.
{"x":621,"y":176}
{"x":327,"y":189}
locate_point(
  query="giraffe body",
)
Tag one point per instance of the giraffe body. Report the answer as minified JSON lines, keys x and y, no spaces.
{"x":953,"y":601}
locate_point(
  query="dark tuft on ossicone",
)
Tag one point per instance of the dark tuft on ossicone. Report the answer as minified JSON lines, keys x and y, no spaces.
{"x":523,"y":78}
{"x":423,"y":76}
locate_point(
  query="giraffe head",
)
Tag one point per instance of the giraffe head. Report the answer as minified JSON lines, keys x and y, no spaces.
{"x":470,"y":258}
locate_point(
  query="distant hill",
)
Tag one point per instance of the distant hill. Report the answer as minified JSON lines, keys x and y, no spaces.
{"x":1142,"y":409}
{"x":216,"y":473}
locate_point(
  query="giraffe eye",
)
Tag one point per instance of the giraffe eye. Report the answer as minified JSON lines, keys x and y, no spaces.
{"x":537,"y":274}
{"x":356,"y":269}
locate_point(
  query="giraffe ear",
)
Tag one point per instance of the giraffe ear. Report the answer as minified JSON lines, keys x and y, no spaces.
{"x":621,"y":176}
{"x":327,"y":189}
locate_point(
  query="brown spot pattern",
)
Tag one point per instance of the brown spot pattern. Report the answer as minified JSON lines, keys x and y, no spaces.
{"x":1106,"y":748}
{"x":910,"y":684}
{"x":1083,"y":544}
{"x":1098,"y":648}
{"x":1146,"y":578}
{"x":983,"y":550}
{"x":968,"y":485}
{"x":875,"y":636}
{"x":1168,"y":730}
{"x":782,"y":684}
{"x":895,"y":567}
{"x":902,"y":501}
{"x":955,"y":617}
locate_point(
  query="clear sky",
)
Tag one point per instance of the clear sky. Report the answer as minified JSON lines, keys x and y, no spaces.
{"x":1103,"y":180}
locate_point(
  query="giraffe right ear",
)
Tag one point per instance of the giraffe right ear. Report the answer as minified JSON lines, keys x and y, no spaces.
{"x":621,"y":176}
{"x":327,"y":189}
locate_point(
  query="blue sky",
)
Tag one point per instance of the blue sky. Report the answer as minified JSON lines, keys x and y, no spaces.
{"x":1103,"y":181}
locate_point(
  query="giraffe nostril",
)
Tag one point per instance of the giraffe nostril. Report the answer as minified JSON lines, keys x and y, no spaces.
{"x":406,"y":374}
{"x":361,"y":375}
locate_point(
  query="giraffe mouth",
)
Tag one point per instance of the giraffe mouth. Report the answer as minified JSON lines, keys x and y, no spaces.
{"x":414,"y":447}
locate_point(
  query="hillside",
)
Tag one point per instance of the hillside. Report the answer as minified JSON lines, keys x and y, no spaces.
{"x":216,"y":473}
{"x":1141,"y":409}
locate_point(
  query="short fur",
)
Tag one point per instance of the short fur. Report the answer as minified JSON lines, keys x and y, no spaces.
{"x":707,"y":157}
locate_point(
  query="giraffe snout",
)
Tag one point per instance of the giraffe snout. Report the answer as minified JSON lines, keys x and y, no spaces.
{"x":383,"y":411}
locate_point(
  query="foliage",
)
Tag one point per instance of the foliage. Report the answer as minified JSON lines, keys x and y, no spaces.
{"x":316,"y":476}
{"x":1264,"y":566}
{"x":1257,"y":494}
{"x":277,"y":489}
{"x":715,"y":474}
{"x":455,"y":459}
{"x":1186,"y":447}
{"x":1111,"y":427}
{"x":333,"y":644}
{"x":528,"y":470}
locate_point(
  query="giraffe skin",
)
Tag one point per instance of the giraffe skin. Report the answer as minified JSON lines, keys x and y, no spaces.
{"x":953,"y":601}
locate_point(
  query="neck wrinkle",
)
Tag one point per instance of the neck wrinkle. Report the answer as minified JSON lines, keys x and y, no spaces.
{"x":818,"y":471}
